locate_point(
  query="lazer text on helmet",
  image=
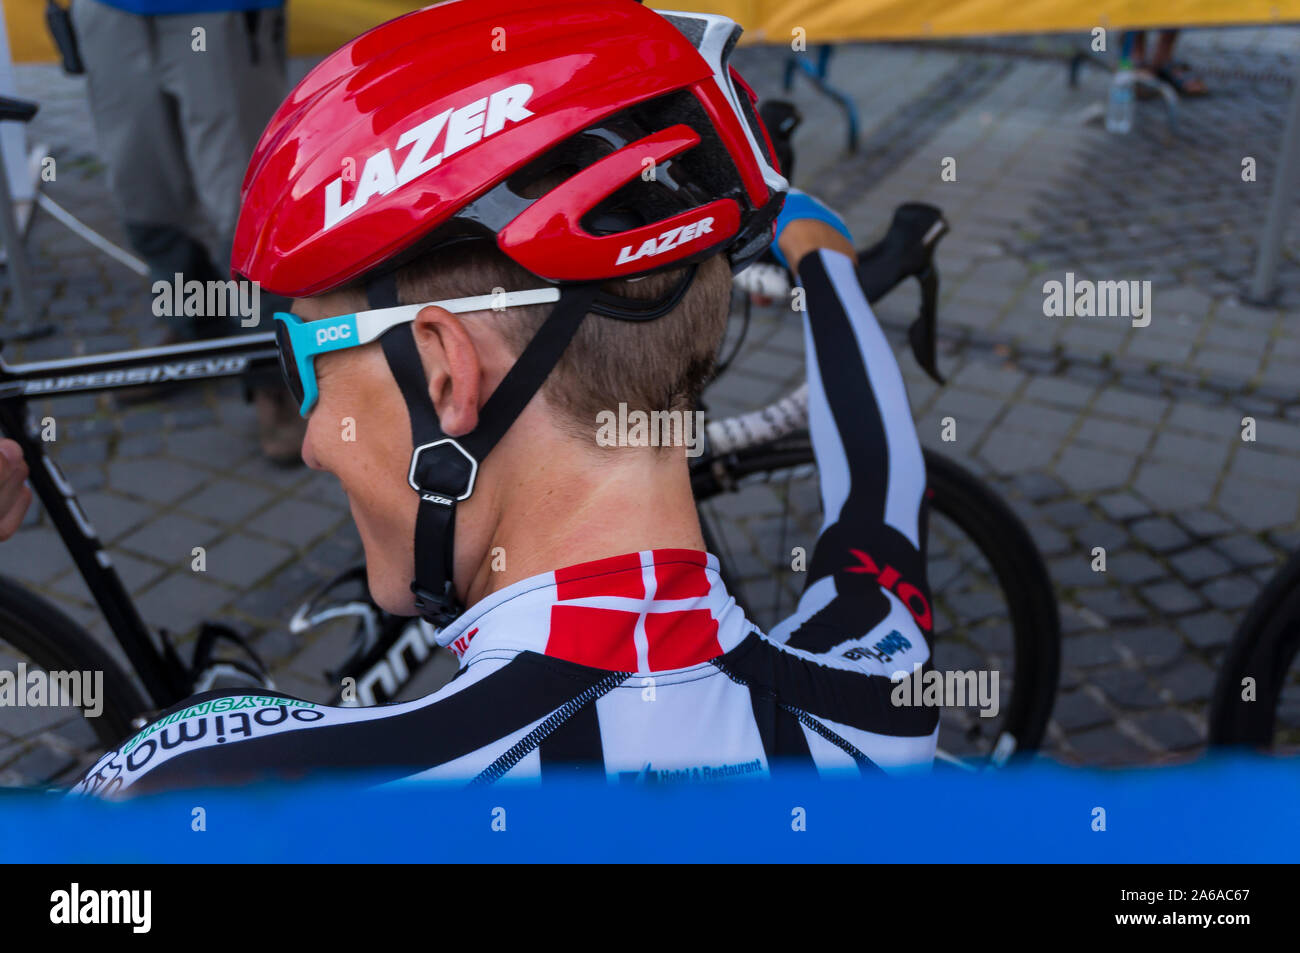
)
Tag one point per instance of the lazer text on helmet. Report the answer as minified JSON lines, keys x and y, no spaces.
{"x":666,"y":241}
{"x":464,"y":126}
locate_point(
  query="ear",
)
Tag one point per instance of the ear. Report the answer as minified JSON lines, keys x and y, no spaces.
{"x":453,"y":366}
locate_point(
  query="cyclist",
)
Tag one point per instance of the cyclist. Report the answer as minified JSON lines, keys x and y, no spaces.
{"x":491,"y":247}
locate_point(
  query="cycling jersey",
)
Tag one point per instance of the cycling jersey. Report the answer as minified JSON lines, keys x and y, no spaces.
{"x":642,"y":666}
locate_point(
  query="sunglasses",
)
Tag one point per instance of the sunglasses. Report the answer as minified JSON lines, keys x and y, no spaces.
{"x":301,"y":341}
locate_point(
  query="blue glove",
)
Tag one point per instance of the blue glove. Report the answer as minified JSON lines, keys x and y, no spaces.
{"x":798,"y":205}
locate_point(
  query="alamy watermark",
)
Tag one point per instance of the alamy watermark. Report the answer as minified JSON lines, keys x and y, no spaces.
{"x":41,"y":689}
{"x":1083,"y":298}
{"x":936,"y":689}
{"x":208,"y":299}
{"x":655,"y":428}
{"x":133,"y":908}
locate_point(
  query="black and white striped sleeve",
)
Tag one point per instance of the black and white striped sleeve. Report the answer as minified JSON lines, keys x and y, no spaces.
{"x":866,"y":580}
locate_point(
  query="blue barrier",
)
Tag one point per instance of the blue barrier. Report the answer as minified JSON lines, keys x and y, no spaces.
{"x":1213,"y":811}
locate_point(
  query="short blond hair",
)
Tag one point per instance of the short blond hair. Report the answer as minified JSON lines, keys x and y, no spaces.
{"x":661,"y":364}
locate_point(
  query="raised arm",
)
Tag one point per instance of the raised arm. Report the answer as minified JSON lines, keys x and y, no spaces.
{"x":866,"y":592}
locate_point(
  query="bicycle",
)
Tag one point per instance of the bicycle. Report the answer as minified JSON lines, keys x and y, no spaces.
{"x":388,"y":654}
{"x":1263,"y":650}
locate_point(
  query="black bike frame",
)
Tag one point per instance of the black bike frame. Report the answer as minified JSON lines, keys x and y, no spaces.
{"x":160,"y":669}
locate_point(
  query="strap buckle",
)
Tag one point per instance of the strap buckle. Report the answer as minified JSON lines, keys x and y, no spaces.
{"x":442,"y":472}
{"x":439,"y":611}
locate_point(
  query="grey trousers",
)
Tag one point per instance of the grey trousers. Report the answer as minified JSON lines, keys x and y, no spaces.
{"x":177,"y":113}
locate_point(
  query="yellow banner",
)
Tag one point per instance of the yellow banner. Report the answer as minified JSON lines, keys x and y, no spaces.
{"x":318,"y":26}
{"x":826,"y":21}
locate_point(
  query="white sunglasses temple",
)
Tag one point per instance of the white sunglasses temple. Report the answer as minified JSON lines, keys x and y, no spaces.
{"x":371,"y":324}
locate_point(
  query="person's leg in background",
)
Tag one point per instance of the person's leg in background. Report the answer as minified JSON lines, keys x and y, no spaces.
{"x":138,"y":131}
{"x":1133,"y":48}
{"x":1165,"y":41}
{"x":1177,"y":75}
{"x":227,"y":92}
{"x":1160,"y":65}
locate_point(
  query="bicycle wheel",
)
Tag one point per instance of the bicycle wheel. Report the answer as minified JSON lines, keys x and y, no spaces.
{"x":995,"y":609}
{"x":44,"y":742}
{"x":1264,"y":649}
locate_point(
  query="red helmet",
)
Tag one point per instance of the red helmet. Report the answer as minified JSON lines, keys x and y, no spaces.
{"x":435,"y":126}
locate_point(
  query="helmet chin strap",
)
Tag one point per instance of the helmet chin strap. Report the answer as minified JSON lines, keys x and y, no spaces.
{"x":443,"y":469}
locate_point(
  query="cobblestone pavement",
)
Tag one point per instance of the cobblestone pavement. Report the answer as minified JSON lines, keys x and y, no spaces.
{"x":1096,"y":432}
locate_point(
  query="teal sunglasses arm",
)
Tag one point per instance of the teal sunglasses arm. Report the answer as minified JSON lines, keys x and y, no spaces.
{"x":308,"y":339}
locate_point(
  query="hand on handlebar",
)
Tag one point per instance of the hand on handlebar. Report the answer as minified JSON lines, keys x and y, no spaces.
{"x":806,"y":224}
{"x":15,"y":497}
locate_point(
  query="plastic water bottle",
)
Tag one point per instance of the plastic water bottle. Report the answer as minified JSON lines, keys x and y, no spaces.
{"x":1119,"y":109}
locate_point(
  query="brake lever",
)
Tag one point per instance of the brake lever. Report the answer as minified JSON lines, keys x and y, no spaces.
{"x":923,"y":332}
